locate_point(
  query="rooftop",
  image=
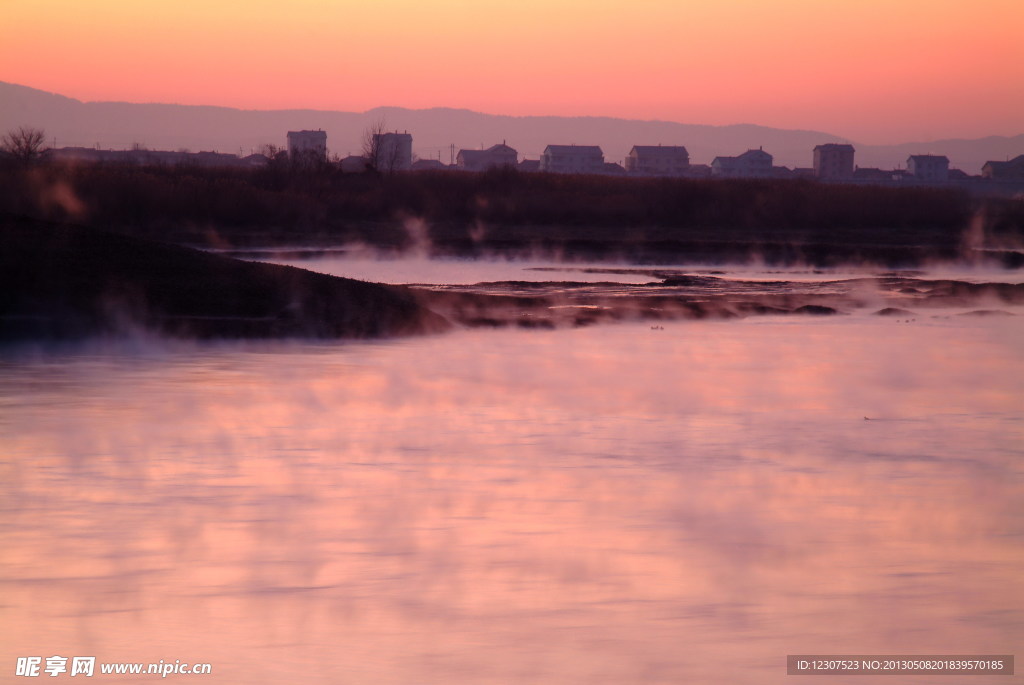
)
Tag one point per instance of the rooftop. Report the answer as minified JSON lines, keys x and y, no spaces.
{"x":660,"y":150}
{"x":575,"y":149}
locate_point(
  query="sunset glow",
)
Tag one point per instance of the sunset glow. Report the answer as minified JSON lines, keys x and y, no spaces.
{"x":870,"y":70}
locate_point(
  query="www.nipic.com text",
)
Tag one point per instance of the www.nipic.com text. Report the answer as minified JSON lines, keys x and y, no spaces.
{"x":34,"y":666}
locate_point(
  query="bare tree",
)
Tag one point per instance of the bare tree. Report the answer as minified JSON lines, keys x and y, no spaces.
{"x":277,"y":166}
{"x":385,"y":151}
{"x":26,"y":144}
{"x":273,"y":152}
{"x":372,"y":148}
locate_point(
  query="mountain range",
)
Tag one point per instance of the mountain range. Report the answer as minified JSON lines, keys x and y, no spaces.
{"x":438,"y":133}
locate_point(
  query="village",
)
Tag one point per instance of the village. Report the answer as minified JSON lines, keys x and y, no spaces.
{"x":391,"y":152}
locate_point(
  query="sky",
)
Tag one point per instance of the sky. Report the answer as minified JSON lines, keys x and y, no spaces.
{"x":874,"y":71}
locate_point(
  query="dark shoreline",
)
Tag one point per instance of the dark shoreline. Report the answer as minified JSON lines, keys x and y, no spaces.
{"x":65,"y":282}
{"x":526,"y":215}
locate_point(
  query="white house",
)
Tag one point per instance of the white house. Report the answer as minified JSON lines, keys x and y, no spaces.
{"x":572,"y":159}
{"x":751,"y":164}
{"x":658,"y":160}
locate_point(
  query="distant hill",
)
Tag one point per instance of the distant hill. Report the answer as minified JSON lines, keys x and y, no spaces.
{"x":119,"y":125}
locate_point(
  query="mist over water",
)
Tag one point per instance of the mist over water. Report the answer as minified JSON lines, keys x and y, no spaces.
{"x":405,"y":270}
{"x":603,"y":505}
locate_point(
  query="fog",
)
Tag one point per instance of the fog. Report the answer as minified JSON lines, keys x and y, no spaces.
{"x":363,"y":263}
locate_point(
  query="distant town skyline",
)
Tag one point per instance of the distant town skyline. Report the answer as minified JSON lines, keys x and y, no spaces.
{"x":440,"y":132}
{"x":873,"y":71}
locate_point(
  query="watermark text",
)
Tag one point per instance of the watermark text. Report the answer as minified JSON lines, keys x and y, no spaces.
{"x":86,"y":666}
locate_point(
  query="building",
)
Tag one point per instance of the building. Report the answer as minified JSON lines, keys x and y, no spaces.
{"x":1010,"y":170}
{"x":429,"y":165}
{"x":928,"y":168}
{"x":471,"y":160}
{"x":833,"y":161}
{"x":751,"y":164}
{"x":873,"y":175}
{"x":353,"y":164}
{"x":698,"y":171}
{"x":529,"y":165}
{"x":782,"y":172}
{"x":658,"y":160}
{"x":572,"y":159}
{"x":392,"y":151}
{"x":307,"y":146}
{"x":500,"y":155}
{"x":255,"y":160}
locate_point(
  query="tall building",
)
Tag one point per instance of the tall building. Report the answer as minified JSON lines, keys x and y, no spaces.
{"x":833,"y":161}
{"x":392,"y":151}
{"x":928,"y":168}
{"x":307,"y":146}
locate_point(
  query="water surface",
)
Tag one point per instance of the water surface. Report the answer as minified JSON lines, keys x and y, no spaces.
{"x":615,"y":504}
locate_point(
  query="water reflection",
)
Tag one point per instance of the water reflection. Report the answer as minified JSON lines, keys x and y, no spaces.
{"x":604,"y":505}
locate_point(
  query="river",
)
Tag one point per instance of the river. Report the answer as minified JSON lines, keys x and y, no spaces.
{"x":684,"y":503}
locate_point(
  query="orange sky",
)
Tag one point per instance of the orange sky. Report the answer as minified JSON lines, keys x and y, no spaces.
{"x":875,"y":71}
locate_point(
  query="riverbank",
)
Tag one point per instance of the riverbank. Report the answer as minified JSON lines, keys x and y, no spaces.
{"x":515,"y":215}
{"x":62,"y":281}
{"x":674,"y":294}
